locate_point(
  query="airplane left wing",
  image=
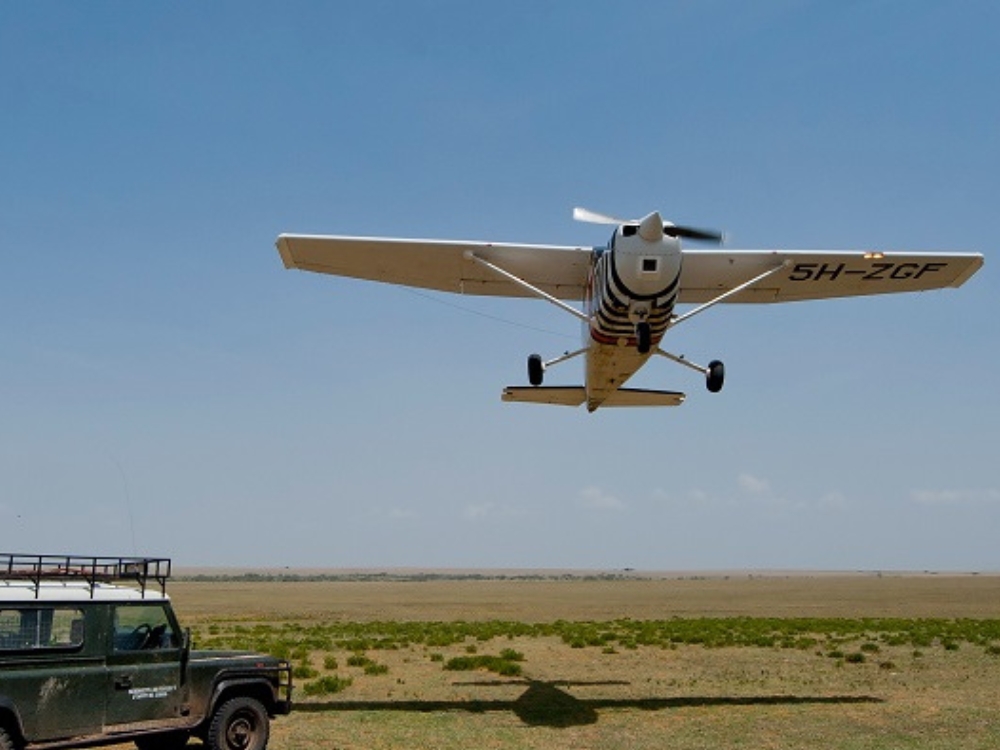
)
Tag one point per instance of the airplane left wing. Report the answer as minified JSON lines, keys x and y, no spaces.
{"x":442,"y":264}
{"x":819,"y":274}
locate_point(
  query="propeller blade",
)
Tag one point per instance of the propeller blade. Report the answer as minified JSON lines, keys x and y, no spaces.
{"x":671,"y":230}
{"x":692,"y":233}
{"x":592,"y":217}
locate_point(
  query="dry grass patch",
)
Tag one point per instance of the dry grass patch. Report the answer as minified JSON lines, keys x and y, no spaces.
{"x":858,"y":662}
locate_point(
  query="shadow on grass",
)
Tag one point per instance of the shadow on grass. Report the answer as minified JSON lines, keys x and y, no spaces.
{"x":547,"y":704}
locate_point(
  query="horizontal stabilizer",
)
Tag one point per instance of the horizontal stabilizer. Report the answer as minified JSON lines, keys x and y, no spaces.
{"x":642,"y":397}
{"x":577,"y":395}
{"x":562,"y":395}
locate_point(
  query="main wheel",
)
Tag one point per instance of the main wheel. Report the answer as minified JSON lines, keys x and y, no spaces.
{"x":643,"y":337}
{"x":6,"y":743}
{"x":536,"y":371}
{"x":716,"y":375}
{"x":239,"y":724}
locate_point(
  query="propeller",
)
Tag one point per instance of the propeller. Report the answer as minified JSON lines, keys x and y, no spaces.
{"x":670,"y":229}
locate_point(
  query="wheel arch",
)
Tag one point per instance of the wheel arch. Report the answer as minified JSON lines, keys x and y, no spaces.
{"x":10,"y":721}
{"x":258,"y":689}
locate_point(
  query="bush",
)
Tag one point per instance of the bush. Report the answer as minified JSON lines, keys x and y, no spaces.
{"x":496,"y":664}
{"x":327,"y":685}
{"x":303,"y":672}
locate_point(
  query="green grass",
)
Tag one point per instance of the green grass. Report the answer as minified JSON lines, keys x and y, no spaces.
{"x":923,"y":680}
{"x":327,"y":685}
{"x":298,"y":641}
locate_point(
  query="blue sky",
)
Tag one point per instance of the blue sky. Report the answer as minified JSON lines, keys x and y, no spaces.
{"x":168,"y":388}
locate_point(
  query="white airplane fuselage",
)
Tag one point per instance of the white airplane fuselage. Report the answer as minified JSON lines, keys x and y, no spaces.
{"x":634,"y":281}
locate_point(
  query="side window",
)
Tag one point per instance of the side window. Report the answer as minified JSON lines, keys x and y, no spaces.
{"x":40,"y":628}
{"x":143,"y":627}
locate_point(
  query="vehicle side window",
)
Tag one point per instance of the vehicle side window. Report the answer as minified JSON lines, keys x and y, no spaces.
{"x":143,"y":627}
{"x":40,"y":628}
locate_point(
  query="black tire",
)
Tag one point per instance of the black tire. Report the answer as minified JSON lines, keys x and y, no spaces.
{"x":643,"y":337}
{"x":6,"y":743}
{"x":239,"y":724}
{"x":165,"y":741}
{"x":716,"y":376}
{"x":536,"y":371}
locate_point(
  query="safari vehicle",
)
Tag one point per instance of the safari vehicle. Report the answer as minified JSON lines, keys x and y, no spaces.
{"x":91,"y":654}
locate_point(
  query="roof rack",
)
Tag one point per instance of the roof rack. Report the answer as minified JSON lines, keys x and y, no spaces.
{"x":93,"y":570}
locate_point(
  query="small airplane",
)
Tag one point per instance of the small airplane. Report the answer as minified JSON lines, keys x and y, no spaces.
{"x":629,"y":288}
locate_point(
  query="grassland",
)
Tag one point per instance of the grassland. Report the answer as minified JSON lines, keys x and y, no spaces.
{"x":854,"y":661}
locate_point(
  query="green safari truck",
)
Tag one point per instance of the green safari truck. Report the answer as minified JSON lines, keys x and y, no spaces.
{"x":91,"y":653}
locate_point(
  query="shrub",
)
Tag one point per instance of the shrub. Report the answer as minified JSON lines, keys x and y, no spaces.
{"x":358,"y":660}
{"x":495,"y":664}
{"x":327,"y":685}
{"x":303,"y":672}
{"x":509,"y":654}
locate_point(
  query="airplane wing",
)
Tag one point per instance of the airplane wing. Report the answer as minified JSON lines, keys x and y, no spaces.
{"x":819,"y":274}
{"x":441,"y":264}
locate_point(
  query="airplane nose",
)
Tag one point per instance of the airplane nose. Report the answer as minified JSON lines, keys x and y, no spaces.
{"x":651,"y":228}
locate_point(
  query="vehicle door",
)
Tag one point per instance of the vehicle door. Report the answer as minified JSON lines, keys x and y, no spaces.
{"x":144,"y":667}
{"x":51,"y":667}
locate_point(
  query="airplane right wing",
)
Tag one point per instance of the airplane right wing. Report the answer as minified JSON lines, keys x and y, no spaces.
{"x":819,"y":274}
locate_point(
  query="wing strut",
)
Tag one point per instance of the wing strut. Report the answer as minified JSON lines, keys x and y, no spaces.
{"x":714,"y":371}
{"x":470,"y":255}
{"x":723,"y":297}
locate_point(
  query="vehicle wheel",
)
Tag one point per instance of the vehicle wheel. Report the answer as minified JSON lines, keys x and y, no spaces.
{"x":536,"y":372}
{"x":239,"y":724}
{"x":643,"y":337}
{"x":165,"y":741}
{"x":716,"y":375}
{"x":6,"y":743}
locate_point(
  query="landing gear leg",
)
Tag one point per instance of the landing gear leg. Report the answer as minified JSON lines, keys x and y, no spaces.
{"x":715,"y":376}
{"x":536,"y":370}
{"x":643,"y":337}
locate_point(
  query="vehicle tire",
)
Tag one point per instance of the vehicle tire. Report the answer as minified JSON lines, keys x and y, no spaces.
{"x":6,"y":743}
{"x":165,"y":741}
{"x":536,"y":372}
{"x":643,"y":337}
{"x":716,"y":376}
{"x":239,"y":724}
